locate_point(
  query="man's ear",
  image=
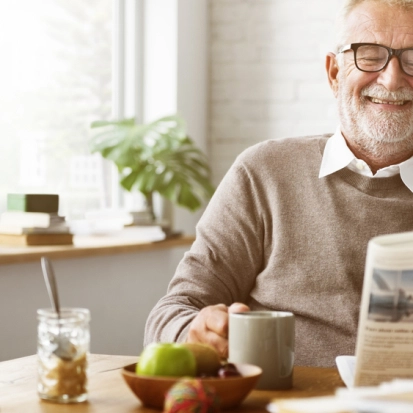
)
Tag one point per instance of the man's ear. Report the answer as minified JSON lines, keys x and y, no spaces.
{"x":332,"y":72}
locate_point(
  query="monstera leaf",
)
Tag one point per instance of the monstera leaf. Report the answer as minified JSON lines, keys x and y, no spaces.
{"x":156,"y":157}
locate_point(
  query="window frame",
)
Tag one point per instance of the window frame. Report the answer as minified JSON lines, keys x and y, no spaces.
{"x":127,"y":74}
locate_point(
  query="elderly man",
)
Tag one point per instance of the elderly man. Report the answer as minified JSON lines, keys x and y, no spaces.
{"x":288,"y":227}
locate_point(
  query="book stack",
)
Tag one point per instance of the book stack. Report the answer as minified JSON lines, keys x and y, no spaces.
{"x":143,"y":217}
{"x":32,"y":219}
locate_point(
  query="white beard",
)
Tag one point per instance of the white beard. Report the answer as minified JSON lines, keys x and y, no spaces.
{"x":382,"y":135}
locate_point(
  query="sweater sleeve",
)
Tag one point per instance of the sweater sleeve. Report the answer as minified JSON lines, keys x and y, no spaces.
{"x":223,"y":262}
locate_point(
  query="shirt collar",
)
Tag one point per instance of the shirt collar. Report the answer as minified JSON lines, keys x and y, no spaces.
{"x":406,"y":173}
{"x":337,"y":155}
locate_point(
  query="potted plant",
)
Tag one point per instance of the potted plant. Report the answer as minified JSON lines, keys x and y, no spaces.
{"x":156,"y":157}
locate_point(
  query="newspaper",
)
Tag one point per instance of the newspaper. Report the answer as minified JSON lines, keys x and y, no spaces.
{"x":384,"y":347}
{"x":389,"y":397}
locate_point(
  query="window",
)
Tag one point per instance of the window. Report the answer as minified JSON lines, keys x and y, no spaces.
{"x":56,"y":77}
{"x":66,"y":63}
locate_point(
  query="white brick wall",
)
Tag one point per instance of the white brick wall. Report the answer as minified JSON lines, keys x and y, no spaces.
{"x":267,"y":73}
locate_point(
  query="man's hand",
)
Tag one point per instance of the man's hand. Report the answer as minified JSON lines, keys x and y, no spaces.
{"x":210,"y":326}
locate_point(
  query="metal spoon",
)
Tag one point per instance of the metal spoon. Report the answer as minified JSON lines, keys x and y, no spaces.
{"x":64,"y":348}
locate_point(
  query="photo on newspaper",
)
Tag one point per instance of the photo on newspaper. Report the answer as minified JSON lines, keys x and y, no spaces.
{"x":384,"y":349}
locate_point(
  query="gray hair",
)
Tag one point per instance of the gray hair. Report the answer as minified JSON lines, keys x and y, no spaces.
{"x":350,"y":5}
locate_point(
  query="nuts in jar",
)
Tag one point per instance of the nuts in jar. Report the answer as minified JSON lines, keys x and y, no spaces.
{"x":62,"y":375}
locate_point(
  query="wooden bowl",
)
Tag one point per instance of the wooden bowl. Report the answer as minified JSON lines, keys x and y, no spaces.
{"x":231,"y":390}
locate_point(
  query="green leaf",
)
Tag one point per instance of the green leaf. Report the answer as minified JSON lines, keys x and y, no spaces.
{"x":188,"y":199}
{"x":156,"y":157}
{"x":129,"y":180}
{"x":123,"y":122}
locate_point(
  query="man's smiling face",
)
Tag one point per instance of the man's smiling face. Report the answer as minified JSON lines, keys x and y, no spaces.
{"x":376,"y":109}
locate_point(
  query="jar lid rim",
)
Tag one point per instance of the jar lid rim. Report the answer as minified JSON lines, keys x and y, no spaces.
{"x":66,"y":313}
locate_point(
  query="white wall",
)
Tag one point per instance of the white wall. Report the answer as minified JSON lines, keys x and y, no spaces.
{"x":120,"y":290}
{"x":267,"y":73}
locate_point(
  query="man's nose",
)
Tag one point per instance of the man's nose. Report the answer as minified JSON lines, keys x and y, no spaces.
{"x":392,"y":76}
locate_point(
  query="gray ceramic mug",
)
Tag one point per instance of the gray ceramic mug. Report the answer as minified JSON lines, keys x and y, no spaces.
{"x":266,"y":339}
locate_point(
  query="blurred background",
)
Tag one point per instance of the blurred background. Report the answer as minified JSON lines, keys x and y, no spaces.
{"x":238,"y":71}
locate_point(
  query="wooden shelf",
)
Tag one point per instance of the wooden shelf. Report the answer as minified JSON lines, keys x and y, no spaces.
{"x":87,"y":246}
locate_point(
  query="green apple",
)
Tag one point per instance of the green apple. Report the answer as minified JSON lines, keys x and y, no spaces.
{"x":166,"y":359}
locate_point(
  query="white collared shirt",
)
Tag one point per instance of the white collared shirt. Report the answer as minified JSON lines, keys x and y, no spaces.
{"x":337,"y":155}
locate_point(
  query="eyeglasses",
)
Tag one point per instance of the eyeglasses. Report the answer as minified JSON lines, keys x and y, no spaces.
{"x":371,"y":57}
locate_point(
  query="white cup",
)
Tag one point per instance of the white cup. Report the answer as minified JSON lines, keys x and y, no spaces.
{"x":265,"y":339}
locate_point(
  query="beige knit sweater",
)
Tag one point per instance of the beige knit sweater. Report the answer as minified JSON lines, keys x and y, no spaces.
{"x":277,"y":237}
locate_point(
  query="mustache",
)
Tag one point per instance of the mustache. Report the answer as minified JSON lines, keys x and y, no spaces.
{"x":382,"y":93}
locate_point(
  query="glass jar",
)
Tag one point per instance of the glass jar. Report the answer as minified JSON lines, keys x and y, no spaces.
{"x":62,"y":348}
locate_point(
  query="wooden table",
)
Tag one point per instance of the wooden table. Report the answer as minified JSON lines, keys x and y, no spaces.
{"x":108,"y":393}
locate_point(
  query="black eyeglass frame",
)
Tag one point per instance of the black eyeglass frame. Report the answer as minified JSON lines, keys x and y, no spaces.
{"x":391,"y":52}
